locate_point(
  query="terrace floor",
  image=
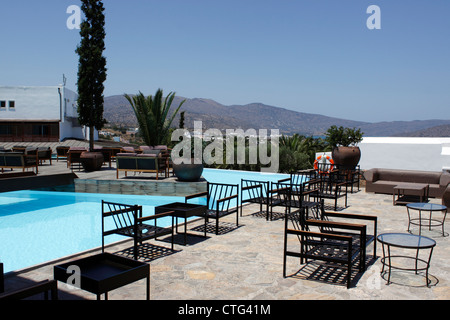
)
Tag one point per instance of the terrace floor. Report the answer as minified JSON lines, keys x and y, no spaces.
{"x":246,"y":262}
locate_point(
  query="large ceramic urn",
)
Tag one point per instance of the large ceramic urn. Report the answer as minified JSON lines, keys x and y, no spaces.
{"x":346,"y":158}
{"x":188,"y":171}
{"x":91,"y":161}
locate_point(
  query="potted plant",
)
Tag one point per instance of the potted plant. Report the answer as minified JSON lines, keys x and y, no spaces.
{"x":343,"y":141}
{"x":189,"y":169}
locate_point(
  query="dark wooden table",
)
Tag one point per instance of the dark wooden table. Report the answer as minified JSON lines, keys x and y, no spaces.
{"x":103,"y":272}
{"x":408,"y":192}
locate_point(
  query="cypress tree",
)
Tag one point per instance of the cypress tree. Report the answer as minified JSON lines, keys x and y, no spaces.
{"x":91,"y":68}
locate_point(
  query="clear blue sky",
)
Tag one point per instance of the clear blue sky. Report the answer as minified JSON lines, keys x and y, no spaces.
{"x":315,"y":56}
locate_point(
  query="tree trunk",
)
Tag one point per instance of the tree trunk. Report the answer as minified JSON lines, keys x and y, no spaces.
{"x":91,"y":139}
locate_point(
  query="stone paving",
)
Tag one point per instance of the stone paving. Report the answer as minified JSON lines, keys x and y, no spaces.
{"x":246,"y":262}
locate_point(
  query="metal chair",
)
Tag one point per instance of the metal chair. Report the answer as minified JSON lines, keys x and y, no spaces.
{"x":127,"y":220}
{"x":219,"y":199}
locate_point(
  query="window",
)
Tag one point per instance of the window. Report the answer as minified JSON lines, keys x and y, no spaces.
{"x":12,"y":104}
{"x":2,"y":105}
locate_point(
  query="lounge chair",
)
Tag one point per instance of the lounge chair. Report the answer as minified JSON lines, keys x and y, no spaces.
{"x":264,"y":193}
{"x":74,"y":156}
{"x":302,"y":191}
{"x":219,"y":197}
{"x":18,"y":160}
{"x":127,"y":220}
{"x":61,"y":152}
{"x":141,"y":149}
{"x":278,"y":197}
{"x":255,"y":191}
{"x":343,"y":243}
{"x":146,"y":162}
{"x":44,"y":153}
{"x":330,"y":186}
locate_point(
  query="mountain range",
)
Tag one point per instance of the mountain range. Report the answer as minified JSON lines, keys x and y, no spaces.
{"x":117,"y":110}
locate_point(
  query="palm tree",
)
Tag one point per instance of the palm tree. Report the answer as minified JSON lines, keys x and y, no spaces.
{"x":153,"y":117}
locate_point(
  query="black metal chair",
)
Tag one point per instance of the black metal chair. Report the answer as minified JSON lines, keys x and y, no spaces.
{"x":303,"y":190}
{"x":351,"y":176}
{"x":362,"y":240}
{"x":219,"y":197}
{"x":256,"y":191}
{"x":127,"y":220}
{"x":330,"y":186}
{"x":323,"y":238}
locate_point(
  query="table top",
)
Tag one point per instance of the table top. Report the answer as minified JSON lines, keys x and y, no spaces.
{"x":426,"y":206}
{"x":406,"y":240}
{"x":103,"y":272}
{"x":182,"y":209}
{"x":411,"y":186}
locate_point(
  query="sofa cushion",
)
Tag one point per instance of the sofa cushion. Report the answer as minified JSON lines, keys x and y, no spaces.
{"x":152,"y":152}
{"x":445,"y":179}
{"x":409,"y":176}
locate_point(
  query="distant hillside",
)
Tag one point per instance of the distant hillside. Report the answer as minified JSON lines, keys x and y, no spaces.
{"x":261,"y":116}
{"x":438,"y":131}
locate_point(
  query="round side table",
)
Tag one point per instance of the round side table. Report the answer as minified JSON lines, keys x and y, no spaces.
{"x":423,"y":207}
{"x":406,"y":241}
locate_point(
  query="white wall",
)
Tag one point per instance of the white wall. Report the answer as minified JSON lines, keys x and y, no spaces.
{"x":47,"y":104}
{"x":31,"y":103}
{"x":429,"y":154}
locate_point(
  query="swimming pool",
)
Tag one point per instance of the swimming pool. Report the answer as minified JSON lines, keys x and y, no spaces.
{"x":39,"y":226}
{"x":235,"y":176}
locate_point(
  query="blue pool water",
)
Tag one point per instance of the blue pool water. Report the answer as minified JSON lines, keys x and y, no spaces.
{"x":235,"y":176}
{"x":39,"y":226}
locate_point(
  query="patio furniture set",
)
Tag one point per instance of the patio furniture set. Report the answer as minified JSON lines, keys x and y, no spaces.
{"x":412,"y":189}
{"x":22,"y":157}
{"x":333,"y":240}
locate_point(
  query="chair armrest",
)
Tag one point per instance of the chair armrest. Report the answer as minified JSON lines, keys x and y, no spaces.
{"x":345,"y":183}
{"x":320,"y":235}
{"x":341,"y":225}
{"x":200,"y":194}
{"x":371,"y":175}
{"x":444,"y":179}
{"x":285,"y":179}
{"x":226,"y":199}
{"x":350,"y":215}
{"x":355,"y":216}
{"x":278,"y":190}
{"x":307,"y":192}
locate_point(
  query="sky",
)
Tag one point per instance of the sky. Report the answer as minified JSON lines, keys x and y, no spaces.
{"x":313,"y":56}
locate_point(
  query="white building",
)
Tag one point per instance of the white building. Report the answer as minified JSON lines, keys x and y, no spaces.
{"x":428,"y":154}
{"x":34,"y":114}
